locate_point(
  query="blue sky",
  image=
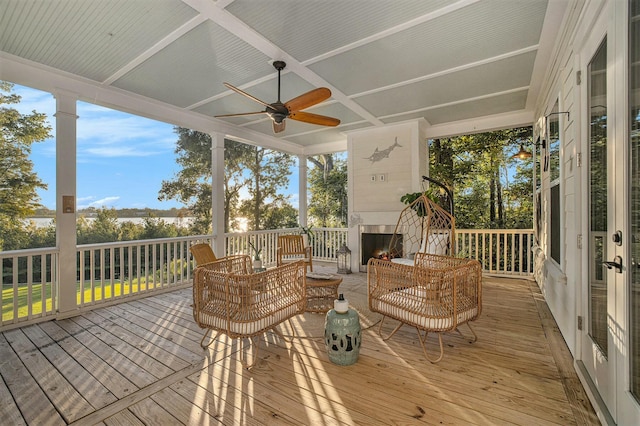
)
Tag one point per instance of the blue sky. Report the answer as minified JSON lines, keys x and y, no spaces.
{"x":122,"y":159}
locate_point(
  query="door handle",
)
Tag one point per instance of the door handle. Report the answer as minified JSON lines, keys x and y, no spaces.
{"x":615,"y":263}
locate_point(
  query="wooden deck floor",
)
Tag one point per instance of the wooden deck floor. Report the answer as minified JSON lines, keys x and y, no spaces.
{"x":140,"y":363}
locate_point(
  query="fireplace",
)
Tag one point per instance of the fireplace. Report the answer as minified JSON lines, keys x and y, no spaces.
{"x":374,"y":242}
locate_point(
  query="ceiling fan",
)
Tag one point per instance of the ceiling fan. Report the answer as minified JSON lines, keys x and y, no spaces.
{"x":278,"y":111}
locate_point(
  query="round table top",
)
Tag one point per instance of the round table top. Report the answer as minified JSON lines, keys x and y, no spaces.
{"x":327,"y":280}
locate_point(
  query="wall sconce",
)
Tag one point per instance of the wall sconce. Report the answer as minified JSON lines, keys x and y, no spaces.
{"x":523,"y":154}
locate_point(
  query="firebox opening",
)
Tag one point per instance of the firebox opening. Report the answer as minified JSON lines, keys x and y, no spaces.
{"x":376,"y":246}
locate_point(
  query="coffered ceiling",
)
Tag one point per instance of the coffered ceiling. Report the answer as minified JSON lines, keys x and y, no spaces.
{"x":459,"y":65}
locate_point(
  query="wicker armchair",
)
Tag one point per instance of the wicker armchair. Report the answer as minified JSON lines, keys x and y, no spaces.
{"x":437,"y":294}
{"x":228,"y":298}
{"x":291,"y":248}
{"x":202,"y":253}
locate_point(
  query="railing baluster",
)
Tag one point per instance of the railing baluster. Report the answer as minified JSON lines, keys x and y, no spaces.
{"x":16,"y":286}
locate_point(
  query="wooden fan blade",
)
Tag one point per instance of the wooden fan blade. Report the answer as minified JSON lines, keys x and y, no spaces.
{"x":308,"y":99}
{"x":253,"y":98}
{"x":240,"y":114}
{"x":308,"y":117}
{"x":279,"y":127}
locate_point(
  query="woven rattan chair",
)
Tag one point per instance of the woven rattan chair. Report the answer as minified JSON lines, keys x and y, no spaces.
{"x":436,"y":294}
{"x":202,"y":253}
{"x":291,"y":248}
{"x":423,"y":227}
{"x":228,"y":298}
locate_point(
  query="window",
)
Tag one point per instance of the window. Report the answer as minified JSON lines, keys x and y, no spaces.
{"x":554,"y":145}
{"x":555,"y":218}
{"x":554,"y":225}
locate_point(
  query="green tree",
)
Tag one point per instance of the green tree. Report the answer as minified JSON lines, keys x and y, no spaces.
{"x":18,"y":181}
{"x":268,"y":173}
{"x":192,"y":184}
{"x":476,"y":168}
{"x":235,"y":155}
{"x":130,"y":231}
{"x":103,"y":229}
{"x":328,"y":189}
{"x":280,"y":215}
{"x":155,"y":227}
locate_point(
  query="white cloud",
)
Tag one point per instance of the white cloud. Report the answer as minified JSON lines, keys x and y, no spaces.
{"x":295,"y":200}
{"x":103,"y":202}
{"x":103,"y":132}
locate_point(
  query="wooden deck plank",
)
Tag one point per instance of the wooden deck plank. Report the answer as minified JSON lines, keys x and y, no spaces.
{"x":185,"y":411}
{"x":68,"y":402}
{"x":139,"y":349}
{"x":9,"y":411}
{"x":151,"y":413}
{"x":34,"y":406}
{"x":282,"y":398}
{"x":174,"y":340}
{"x":579,"y":401}
{"x":382,"y":402}
{"x":104,"y":373}
{"x":123,"y":418}
{"x":82,"y":380}
{"x":216,"y":399}
{"x":512,"y":375}
{"x":138,"y":376}
{"x":181,"y":313}
{"x":123,"y":342}
{"x":402,"y":379}
{"x":152,"y":340}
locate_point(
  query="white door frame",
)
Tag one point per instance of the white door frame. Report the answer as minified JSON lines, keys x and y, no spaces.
{"x":599,"y":371}
{"x":614,"y":401}
{"x":627,"y":407}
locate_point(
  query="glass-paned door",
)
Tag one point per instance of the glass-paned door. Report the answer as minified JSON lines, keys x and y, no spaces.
{"x":634,"y":148}
{"x":598,"y":349}
{"x":598,"y":199}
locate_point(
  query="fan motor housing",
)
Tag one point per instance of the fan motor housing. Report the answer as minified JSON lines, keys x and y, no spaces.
{"x":277,"y":111}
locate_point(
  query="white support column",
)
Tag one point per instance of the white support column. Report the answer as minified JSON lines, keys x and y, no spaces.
{"x":66,"y":119}
{"x":302,"y":190}
{"x":217,"y":193}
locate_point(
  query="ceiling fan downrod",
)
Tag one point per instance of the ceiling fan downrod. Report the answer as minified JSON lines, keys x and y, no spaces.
{"x":279,"y":65}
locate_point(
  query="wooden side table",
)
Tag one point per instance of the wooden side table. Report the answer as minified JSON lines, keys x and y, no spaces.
{"x":322,"y":292}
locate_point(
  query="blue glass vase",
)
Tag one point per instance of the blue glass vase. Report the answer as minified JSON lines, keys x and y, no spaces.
{"x":342,"y":336}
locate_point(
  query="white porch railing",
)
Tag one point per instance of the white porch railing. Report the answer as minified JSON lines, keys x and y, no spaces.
{"x":500,"y":251}
{"x":28,"y":283}
{"x":111,"y":272}
{"x":325,"y":242}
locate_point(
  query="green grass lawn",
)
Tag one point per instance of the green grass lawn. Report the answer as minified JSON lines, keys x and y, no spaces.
{"x":100,"y":291}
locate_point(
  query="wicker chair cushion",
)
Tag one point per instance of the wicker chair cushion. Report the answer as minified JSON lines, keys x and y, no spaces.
{"x":247,"y":322}
{"x":403,"y":260}
{"x":436,"y":243}
{"x":408,"y":305}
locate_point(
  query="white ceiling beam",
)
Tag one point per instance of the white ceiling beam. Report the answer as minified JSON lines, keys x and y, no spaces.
{"x":393,"y":30}
{"x":164,"y":42}
{"x":467,"y":66}
{"x":553,"y":19}
{"x":241,"y":30}
{"x":458,"y":102}
{"x":482,"y":124}
{"x":37,"y":76}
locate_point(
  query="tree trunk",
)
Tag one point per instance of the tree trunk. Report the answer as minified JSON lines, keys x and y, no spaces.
{"x":492,"y":200}
{"x":499,"y":201}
